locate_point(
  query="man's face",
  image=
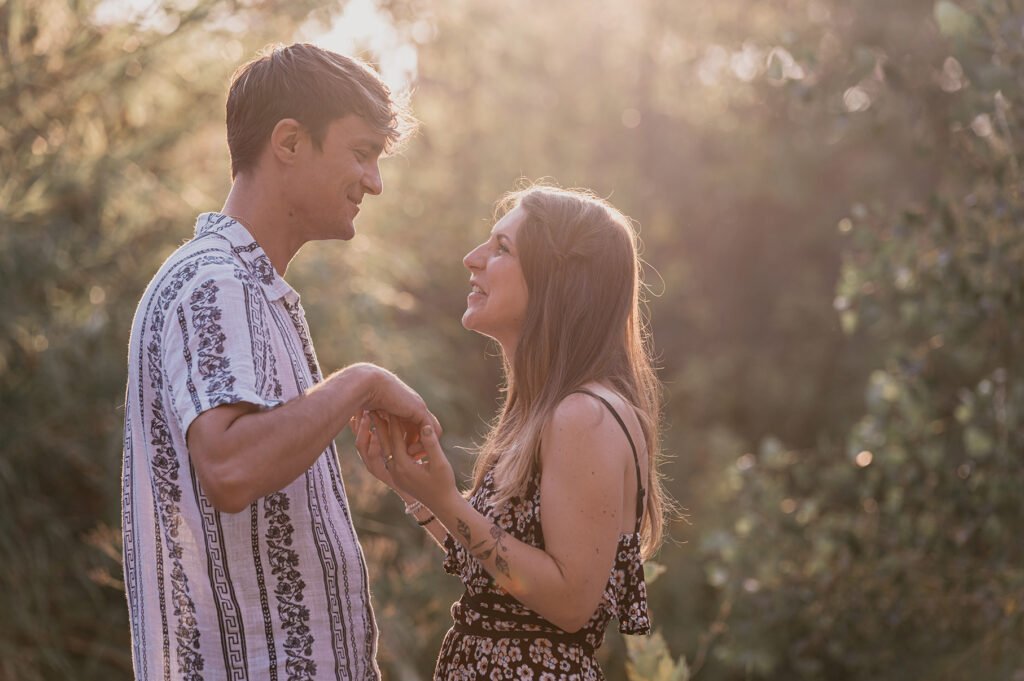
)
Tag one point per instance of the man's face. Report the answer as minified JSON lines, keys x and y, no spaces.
{"x":328,"y":185}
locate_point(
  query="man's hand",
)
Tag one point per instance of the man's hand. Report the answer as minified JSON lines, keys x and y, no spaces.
{"x":388,"y":394}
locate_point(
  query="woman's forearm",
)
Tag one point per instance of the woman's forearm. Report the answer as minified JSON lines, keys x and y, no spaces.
{"x":528,"y":573}
{"x":425,"y":519}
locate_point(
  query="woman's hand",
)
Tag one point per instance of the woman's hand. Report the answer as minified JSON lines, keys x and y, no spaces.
{"x":369,"y":449}
{"x":421,"y":469}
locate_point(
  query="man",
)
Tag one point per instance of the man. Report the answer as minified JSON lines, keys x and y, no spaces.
{"x":240,"y":558}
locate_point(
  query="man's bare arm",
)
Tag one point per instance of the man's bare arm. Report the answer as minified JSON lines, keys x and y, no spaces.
{"x":242,"y":453}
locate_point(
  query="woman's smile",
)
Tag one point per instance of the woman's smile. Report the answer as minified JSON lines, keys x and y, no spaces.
{"x":496,"y":275}
{"x":475,"y":290}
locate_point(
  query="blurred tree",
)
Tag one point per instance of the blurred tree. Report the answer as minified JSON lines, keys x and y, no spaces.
{"x":900,"y":556}
{"x":107,"y":150}
{"x":738,"y":134}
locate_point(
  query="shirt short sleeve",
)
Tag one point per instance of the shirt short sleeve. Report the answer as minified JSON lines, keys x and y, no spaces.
{"x":216,"y":348}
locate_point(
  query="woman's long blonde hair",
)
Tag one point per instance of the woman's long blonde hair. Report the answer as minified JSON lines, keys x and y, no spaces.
{"x":583,"y":323}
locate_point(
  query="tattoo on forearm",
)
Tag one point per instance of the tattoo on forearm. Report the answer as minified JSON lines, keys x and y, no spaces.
{"x":495,"y":549}
{"x":464,"y":531}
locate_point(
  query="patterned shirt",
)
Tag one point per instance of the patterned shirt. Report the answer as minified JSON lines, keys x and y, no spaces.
{"x":279,"y":590}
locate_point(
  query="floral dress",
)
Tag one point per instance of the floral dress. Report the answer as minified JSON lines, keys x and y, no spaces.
{"x":496,"y":637}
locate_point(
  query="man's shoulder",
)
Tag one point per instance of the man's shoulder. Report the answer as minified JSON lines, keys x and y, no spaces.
{"x":205,"y":256}
{"x":207,"y":253}
{"x":198,"y":260}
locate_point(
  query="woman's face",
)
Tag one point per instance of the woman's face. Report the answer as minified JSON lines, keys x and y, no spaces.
{"x":496,"y":305}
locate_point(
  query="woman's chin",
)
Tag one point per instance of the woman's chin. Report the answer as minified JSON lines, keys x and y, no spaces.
{"x":471,"y":323}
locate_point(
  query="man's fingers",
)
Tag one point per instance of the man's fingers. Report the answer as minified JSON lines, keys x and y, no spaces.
{"x":428,"y":419}
{"x":396,"y":433}
{"x":411,"y":432}
{"x":361,"y":439}
{"x":425,"y":418}
{"x":406,"y":403}
{"x":431,"y":443}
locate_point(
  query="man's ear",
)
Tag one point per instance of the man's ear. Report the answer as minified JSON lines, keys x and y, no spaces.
{"x":285,"y":139}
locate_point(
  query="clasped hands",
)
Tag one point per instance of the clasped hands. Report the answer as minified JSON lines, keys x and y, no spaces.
{"x":406,"y":457}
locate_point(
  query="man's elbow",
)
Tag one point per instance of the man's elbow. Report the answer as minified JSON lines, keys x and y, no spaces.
{"x":223,"y":488}
{"x":226,"y":502}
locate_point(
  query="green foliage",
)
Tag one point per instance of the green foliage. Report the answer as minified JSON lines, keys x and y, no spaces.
{"x":897,"y":556}
{"x":99,"y":128}
{"x":651,"y":660}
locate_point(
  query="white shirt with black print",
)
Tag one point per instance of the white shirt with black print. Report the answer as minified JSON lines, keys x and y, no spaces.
{"x":278,"y":591}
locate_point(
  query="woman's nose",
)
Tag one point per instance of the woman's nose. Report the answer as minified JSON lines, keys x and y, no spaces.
{"x":472,"y":259}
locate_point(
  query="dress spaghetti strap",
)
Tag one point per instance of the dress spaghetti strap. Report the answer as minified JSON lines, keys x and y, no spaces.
{"x":636,"y":459}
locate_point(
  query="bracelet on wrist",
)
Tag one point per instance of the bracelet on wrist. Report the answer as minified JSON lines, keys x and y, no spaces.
{"x":412,"y":508}
{"x":426,"y":521}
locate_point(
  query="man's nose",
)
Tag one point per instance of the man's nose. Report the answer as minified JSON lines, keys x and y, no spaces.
{"x":372,"y":181}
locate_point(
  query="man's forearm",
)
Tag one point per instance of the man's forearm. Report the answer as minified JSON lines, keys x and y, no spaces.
{"x":260,"y":452}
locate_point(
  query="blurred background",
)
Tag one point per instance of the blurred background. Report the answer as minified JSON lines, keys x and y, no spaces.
{"x":829,"y":194}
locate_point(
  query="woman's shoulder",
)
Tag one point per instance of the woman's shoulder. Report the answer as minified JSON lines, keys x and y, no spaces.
{"x":578,"y":408}
{"x":593,"y":400}
{"x":584,"y":415}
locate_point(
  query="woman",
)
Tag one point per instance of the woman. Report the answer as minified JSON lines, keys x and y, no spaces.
{"x":565,"y":501}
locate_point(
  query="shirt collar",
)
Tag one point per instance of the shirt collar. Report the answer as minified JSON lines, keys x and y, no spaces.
{"x":244,"y":246}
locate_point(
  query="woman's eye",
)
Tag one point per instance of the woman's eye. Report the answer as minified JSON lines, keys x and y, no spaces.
{"x":502,"y":248}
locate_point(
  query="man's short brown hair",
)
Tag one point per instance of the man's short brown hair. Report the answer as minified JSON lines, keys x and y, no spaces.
{"x":315,"y":87}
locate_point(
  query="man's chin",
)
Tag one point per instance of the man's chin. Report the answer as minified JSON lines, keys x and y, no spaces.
{"x":345,"y":232}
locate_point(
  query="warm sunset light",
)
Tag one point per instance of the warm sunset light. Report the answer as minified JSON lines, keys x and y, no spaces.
{"x":825,"y":198}
{"x":363,"y":27}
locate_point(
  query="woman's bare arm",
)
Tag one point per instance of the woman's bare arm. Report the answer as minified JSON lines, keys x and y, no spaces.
{"x":582,"y":486}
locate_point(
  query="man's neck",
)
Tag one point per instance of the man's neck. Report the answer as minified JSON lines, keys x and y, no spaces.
{"x":260,"y":210}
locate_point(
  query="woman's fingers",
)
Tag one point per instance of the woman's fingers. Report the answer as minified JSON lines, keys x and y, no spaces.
{"x":366,"y":445}
{"x":381,"y":435}
{"x":397,"y":450}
